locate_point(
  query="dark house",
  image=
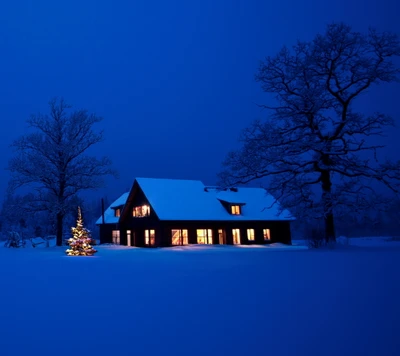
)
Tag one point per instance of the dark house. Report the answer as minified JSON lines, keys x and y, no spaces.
{"x":170,"y":212}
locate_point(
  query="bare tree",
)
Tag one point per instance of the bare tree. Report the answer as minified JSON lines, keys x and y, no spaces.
{"x":313,"y":149}
{"x":54,"y":161}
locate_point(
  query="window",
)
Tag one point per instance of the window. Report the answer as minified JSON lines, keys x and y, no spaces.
{"x":250,"y":234}
{"x":115,"y":237}
{"x":179,"y":237}
{"x":204,"y":236}
{"x":267,"y":234}
{"x":118,"y":212}
{"x":141,"y":211}
{"x":150,"y":237}
{"x":236,"y":236}
{"x":235,"y":209}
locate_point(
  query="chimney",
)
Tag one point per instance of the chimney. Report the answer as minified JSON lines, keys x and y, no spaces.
{"x":102,"y":211}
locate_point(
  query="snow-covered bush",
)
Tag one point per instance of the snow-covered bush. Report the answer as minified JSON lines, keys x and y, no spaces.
{"x":14,"y":240}
{"x":342,"y":240}
{"x":315,"y":237}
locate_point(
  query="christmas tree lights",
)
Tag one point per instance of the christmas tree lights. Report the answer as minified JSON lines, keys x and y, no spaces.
{"x":81,"y":241}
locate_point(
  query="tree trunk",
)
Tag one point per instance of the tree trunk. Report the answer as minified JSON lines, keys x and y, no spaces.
{"x":60,"y":218}
{"x":61,"y":204}
{"x":330,"y":235}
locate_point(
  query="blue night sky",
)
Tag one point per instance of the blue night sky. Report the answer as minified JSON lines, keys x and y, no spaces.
{"x":174,"y":80}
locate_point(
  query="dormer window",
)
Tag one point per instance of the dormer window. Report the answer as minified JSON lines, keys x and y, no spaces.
{"x":117,"y":212}
{"x":141,"y":211}
{"x":235,"y":209}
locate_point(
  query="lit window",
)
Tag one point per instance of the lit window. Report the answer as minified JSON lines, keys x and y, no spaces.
{"x":267,"y":234}
{"x":235,"y":209}
{"x":150,"y":237}
{"x":236,"y":236}
{"x":141,"y":211}
{"x":117,"y":213}
{"x":204,"y":236}
{"x":179,"y":237}
{"x":250,"y":234}
{"x":115,"y":237}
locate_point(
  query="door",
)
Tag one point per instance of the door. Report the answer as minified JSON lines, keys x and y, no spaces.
{"x":149,"y":237}
{"x":116,"y":237}
{"x":236,"y":236}
{"x":129,"y":237}
{"x":221,"y":237}
{"x":267,"y":234}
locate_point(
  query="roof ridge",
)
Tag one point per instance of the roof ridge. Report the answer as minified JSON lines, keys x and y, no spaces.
{"x":171,"y":179}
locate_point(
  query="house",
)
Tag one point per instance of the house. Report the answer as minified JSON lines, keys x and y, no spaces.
{"x":169,"y":212}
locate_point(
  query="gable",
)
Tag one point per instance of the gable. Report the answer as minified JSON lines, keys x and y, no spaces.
{"x":135,"y":198}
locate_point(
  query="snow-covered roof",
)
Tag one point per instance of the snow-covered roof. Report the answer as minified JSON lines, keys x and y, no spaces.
{"x":120,"y":201}
{"x":109,"y":214}
{"x":174,"y":199}
{"x":228,"y":197}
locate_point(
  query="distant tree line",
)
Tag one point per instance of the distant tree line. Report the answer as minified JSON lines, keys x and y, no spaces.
{"x":17,"y":213}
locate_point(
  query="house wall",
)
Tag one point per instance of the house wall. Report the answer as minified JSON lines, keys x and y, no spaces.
{"x":280,"y":231}
{"x":105,"y":232}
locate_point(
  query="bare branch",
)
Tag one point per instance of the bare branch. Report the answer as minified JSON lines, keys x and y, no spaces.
{"x":310,"y":147}
{"x":53,"y":159}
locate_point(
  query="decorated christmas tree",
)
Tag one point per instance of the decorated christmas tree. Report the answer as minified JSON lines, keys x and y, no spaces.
{"x":81,"y":242}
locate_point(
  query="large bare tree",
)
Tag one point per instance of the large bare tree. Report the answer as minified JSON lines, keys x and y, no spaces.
{"x":315,"y":149}
{"x":53,"y":159}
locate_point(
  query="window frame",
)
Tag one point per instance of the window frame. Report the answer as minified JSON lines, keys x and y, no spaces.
{"x":251,"y":236}
{"x":267,"y":232}
{"x":208,"y":237}
{"x":144,"y":207}
{"x":238,"y":240}
{"x":182,"y":239}
{"x":236,"y":209}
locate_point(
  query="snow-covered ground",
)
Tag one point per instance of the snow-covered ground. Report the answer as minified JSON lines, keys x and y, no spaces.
{"x":201,"y":300}
{"x":372,"y":241}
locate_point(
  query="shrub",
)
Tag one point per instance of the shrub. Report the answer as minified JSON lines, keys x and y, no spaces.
{"x":315,"y":238}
